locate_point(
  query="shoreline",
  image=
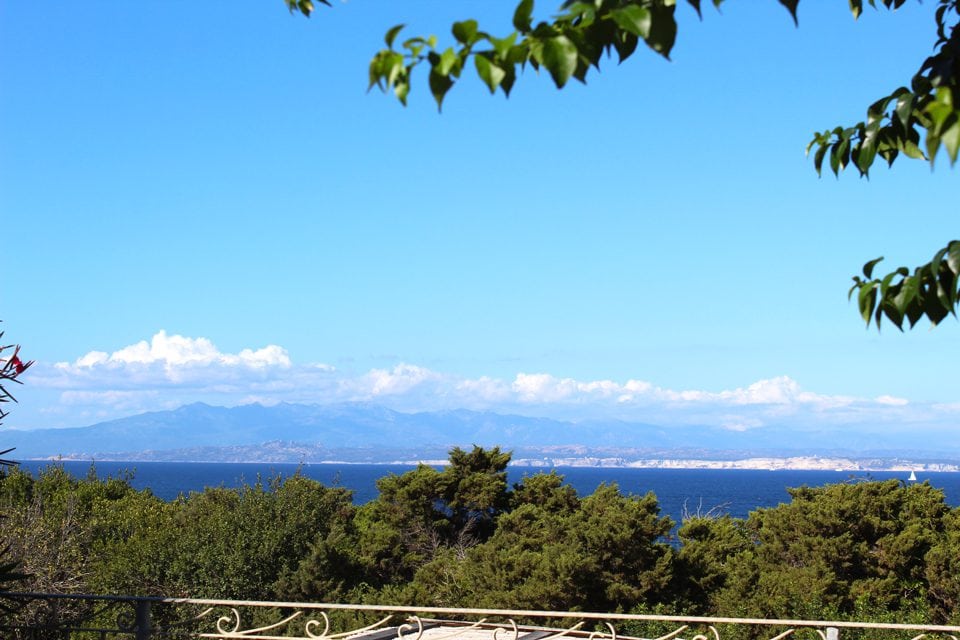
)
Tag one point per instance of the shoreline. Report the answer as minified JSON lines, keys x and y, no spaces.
{"x":791,"y":463}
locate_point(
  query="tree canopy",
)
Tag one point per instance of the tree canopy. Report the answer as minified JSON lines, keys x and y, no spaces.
{"x":914,"y":120}
{"x":883,"y":551}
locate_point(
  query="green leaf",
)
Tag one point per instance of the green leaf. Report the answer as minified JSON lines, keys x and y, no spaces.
{"x":560,"y":59}
{"x":490,"y":73}
{"x":914,"y":312}
{"x":904,"y":108}
{"x":947,"y":288}
{"x":910,"y":148}
{"x":934,"y":309}
{"x":868,"y":267}
{"x":465,"y":32}
{"x":892,"y":312}
{"x":877,"y":111}
{"x":937,"y":259}
{"x":663,"y":29}
{"x":818,"y":157}
{"x":867,"y":300}
{"x":502,"y":46}
{"x":856,"y":287}
{"x":944,"y":296}
{"x":305,"y":7}
{"x":889,"y":154}
{"x":885,"y":283}
{"x":791,"y":6}
{"x":909,"y":290}
{"x":951,"y":138}
{"x":509,"y":78}
{"x":867,"y":150}
{"x":439,"y":86}
{"x":448,"y":59}
{"x":392,"y":35}
{"x":376,"y":72}
{"x":402,"y":90}
{"x":396,"y":69}
{"x":625,"y":46}
{"x":953,"y":256}
{"x":838,"y":155}
{"x":633,"y":19}
{"x":522,"y":17}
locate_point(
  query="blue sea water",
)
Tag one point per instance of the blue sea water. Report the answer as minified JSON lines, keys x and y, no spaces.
{"x":736,"y":492}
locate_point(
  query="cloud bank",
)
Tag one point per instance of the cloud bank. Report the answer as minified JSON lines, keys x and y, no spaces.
{"x":171,"y":370}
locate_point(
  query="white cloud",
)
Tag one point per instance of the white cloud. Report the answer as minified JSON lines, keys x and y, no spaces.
{"x":119,"y":400}
{"x":482,"y":390}
{"x":176,"y":351}
{"x":537,"y":388}
{"x":113,"y":403}
{"x":542,"y":387}
{"x":401,"y":379}
{"x":891,"y":400}
{"x":171,"y":370}
{"x":781,"y":390}
{"x":90,"y":360}
{"x":739,"y":423}
{"x":775,"y":392}
{"x":947,"y":407}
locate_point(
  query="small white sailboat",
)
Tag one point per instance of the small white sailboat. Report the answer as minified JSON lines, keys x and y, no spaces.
{"x":913,"y":477}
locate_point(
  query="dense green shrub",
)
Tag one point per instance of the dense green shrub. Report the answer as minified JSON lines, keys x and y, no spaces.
{"x":881,"y":551}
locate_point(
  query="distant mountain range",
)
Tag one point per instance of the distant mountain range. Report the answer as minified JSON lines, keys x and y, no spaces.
{"x":365,"y":432}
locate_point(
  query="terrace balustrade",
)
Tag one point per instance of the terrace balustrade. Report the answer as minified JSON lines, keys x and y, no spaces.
{"x":45,"y":616}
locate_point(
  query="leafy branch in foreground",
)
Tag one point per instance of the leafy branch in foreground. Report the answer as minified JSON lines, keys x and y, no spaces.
{"x":893,"y":124}
{"x":566,"y":46}
{"x":576,"y":39}
{"x":931,"y":290}
{"x":585,"y":30}
{"x":10,"y":369}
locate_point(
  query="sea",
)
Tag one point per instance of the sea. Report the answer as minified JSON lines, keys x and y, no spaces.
{"x":680,"y":492}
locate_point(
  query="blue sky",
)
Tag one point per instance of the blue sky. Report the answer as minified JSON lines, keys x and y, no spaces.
{"x":214,"y":180}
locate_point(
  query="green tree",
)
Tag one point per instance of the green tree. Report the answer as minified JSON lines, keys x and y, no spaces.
{"x":417,"y":516}
{"x":556,"y":551}
{"x":708,"y":545}
{"x":943,"y":573}
{"x":473,"y":489}
{"x":399,"y":530}
{"x":914,"y":121}
{"x":245,"y":543}
{"x":101,"y":536}
{"x":59,"y":528}
{"x":837,"y":551}
{"x":331,"y":571}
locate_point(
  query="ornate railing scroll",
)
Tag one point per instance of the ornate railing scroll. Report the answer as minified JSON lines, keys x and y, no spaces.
{"x":69,"y":617}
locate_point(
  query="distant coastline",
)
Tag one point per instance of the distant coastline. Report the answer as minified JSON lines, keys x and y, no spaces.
{"x":789,"y":463}
{"x":679,"y":492}
{"x":364,"y":433}
{"x":796,"y":463}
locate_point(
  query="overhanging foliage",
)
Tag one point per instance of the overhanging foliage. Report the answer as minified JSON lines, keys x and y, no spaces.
{"x":914,"y":122}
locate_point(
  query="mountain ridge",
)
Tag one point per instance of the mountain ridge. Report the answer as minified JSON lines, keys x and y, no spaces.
{"x":344,"y":427}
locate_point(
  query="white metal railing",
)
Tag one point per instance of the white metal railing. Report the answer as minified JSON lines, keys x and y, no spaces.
{"x":55,"y":616}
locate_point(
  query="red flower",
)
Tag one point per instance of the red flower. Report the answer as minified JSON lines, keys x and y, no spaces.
{"x":17,"y":364}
